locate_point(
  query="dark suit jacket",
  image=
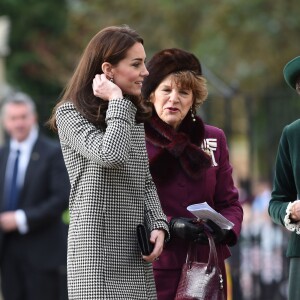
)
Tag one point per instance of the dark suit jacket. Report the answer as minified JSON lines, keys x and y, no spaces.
{"x":43,"y":198}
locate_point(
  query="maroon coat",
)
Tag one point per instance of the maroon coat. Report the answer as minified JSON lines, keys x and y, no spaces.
{"x":178,"y":188}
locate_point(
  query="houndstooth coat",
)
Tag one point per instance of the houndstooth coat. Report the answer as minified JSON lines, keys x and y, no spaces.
{"x":111,"y":192}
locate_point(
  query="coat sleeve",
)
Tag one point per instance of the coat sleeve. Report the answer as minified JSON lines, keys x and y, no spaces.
{"x":226,"y":197}
{"x":110,"y":148}
{"x":154,"y":216}
{"x":284,"y":188}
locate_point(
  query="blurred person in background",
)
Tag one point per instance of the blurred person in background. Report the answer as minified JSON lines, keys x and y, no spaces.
{"x":235,"y":260}
{"x":284,"y":206}
{"x":100,"y":125}
{"x":189,"y":163}
{"x":267,"y":246}
{"x":34,"y":190}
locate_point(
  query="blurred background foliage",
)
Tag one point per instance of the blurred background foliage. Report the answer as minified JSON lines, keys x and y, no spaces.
{"x":242,"y":45}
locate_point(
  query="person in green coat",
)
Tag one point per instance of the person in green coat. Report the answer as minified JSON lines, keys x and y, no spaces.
{"x":284,"y":206}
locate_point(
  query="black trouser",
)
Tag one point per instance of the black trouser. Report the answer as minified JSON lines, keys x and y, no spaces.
{"x":20,"y":280}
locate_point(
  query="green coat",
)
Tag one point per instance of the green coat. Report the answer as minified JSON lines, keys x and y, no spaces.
{"x":287,"y":181}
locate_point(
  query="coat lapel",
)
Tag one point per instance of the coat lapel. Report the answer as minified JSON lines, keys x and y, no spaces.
{"x":3,"y":163}
{"x":33,"y":164}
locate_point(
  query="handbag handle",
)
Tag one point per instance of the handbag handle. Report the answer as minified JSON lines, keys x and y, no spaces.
{"x":213,"y":257}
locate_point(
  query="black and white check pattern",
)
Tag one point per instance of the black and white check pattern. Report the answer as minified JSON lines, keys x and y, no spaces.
{"x":111,"y":192}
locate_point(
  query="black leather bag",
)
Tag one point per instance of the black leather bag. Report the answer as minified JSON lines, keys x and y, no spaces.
{"x":143,"y":238}
{"x":201,"y":281}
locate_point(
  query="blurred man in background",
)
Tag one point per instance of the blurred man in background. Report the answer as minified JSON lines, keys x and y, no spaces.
{"x":34,"y":191}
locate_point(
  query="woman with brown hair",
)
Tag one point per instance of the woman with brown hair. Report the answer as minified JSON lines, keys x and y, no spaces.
{"x":189,"y":163}
{"x":100,"y":125}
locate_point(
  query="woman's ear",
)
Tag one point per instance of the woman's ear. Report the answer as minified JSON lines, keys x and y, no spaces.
{"x":107,"y":70}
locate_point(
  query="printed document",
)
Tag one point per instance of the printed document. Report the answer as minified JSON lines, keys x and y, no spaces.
{"x":204,"y":211}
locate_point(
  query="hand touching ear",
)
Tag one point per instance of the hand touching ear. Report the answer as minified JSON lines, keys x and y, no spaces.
{"x":105,"y":89}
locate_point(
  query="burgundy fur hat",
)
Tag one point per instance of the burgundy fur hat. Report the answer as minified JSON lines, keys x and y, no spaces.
{"x":166,"y":62}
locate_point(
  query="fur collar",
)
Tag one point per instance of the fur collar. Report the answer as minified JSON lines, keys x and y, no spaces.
{"x":182,"y":146}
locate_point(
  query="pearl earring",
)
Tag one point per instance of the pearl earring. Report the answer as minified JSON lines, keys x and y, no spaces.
{"x":193,"y":115}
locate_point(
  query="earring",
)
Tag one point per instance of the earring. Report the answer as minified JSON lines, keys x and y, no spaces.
{"x":193,"y":115}
{"x":112,"y":79}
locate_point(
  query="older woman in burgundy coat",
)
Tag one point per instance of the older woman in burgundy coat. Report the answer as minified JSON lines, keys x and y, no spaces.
{"x":189,"y":163}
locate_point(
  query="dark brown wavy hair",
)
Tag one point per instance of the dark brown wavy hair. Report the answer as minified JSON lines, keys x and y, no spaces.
{"x":108,"y":45}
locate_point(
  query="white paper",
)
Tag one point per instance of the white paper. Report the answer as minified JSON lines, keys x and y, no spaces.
{"x":204,"y":211}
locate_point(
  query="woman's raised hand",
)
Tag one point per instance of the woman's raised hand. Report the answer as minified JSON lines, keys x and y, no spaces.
{"x":105,"y":89}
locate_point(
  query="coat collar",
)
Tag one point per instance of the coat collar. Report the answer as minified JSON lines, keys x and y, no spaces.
{"x":182,"y":145}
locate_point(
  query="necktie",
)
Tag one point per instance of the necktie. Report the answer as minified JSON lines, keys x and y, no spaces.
{"x":13,"y":189}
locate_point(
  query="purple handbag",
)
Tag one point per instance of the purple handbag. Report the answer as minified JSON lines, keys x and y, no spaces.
{"x":201,"y":281}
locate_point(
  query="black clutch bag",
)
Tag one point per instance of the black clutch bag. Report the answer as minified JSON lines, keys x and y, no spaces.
{"x":143,"y":238}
